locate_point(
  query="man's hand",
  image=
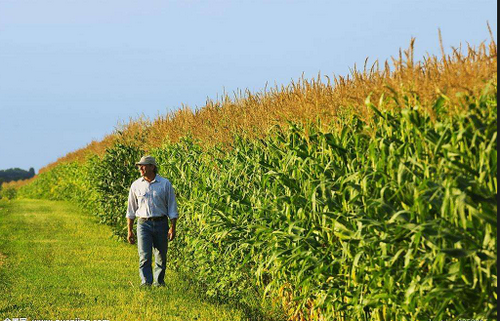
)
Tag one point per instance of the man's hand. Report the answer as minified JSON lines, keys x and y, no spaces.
{"x":171,"y":234}
{"x":130,"y":228}
{"x":131,"y":237}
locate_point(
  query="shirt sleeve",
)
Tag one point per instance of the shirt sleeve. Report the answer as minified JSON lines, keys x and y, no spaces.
{"x":132,"y":204}
{"x":171,"y":202}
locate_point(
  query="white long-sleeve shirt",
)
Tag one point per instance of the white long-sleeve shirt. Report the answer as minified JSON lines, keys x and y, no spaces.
{"x":152,"y":199}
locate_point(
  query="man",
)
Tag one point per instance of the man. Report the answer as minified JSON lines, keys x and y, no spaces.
{"x":152,"y":201}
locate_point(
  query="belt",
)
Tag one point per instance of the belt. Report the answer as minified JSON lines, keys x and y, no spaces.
{"x":157,"y":218}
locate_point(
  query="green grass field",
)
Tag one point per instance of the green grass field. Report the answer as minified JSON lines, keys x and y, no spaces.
{"x":57,"y":263}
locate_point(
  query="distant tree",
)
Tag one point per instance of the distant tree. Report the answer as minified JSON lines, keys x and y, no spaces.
{"x":15,"y":174}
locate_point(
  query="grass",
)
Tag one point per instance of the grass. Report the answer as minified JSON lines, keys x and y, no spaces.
{"x":56,"y":263}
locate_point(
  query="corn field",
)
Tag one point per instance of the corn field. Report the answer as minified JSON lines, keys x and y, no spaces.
{"x":394,"y":219}
{"x":370,"y":197}
{"x":328,"y":98}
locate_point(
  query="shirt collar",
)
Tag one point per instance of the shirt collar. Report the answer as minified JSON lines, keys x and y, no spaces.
{"x":155,"y":180}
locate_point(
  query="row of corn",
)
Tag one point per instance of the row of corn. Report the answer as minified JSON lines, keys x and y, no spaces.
{"x":394,"y":219}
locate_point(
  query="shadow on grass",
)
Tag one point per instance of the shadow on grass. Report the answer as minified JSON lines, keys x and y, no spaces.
{"x":252,"y":311}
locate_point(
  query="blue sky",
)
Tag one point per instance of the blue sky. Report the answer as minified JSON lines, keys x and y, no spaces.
{"x":71,"y":70}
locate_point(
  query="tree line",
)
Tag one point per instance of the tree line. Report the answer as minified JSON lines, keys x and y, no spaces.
{"x":15,"y":174}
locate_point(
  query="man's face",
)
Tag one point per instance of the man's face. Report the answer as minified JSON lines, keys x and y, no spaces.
{"x":146,"y":170}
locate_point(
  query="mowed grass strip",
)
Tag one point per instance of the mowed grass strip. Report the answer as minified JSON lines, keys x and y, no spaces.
{"x":57,"y":263}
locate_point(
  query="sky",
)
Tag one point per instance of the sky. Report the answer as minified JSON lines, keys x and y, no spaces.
{"x":72,"y":71}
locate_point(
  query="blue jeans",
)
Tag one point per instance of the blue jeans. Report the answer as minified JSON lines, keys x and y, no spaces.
{"x":152,"y":235}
